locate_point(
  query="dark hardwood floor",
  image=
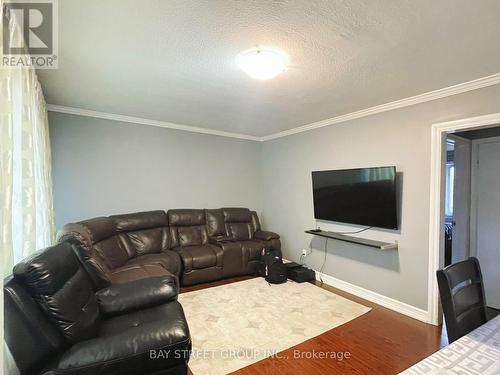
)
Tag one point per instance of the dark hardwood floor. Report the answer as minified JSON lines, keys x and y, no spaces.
{"x":381,"y":342}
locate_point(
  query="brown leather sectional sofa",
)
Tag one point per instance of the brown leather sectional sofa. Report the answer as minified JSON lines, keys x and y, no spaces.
{"x":195,"y":245}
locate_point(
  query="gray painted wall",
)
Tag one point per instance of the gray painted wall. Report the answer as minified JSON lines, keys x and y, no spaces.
{"x":103,"y":167}
{"x":401,"y":138}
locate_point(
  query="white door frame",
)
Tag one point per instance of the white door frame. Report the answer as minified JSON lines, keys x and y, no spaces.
{"x":465,"y":183}
{"x":436,"y":239}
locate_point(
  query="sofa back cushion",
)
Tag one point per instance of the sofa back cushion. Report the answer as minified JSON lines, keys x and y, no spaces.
{"x":255,"y":221}
{"x":240,"y":231}
{"x":215,"y":222}
{"x":113,"y":251}
{"x":100,"y":239}
{"x":186,"y":217}
{"x":106,"y":242}
{"x":190,"y":236}
{"x":238,"y":223}
{"x":140,"y":220}
{"x":62,"y":288}
{"x":187,"y":227}
{"x":147,"y":241}
{"x":86,"y":234}
{"x":143,"y":232}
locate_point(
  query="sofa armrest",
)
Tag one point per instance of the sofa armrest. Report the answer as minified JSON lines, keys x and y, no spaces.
{"x":137,"y":294}
{"x":265,"y":235}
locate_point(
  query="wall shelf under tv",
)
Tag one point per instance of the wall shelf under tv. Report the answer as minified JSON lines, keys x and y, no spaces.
{"x":361,"y":241}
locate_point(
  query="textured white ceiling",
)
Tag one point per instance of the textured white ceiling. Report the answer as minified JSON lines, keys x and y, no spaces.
{"x":174,"y":60}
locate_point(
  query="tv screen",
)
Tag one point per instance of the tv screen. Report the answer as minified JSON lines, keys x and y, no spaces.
{"x":365,"y":196}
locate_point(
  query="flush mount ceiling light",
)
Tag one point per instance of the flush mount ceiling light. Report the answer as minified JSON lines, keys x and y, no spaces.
{"x":262,"y":63}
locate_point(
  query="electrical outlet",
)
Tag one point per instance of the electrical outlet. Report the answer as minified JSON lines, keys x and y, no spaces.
{"x":304,"y":252}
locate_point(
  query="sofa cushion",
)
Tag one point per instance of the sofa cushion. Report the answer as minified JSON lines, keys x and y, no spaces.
{"x":124,"y":343}
{"x":98,"y":228}
{"x":146,"y":241}
{"x":202,"y":256}
{"x":187,"y":227}
{"x":238,"y":222}
{"x":133,"y":272}
{"x":198,"y":257}
{"x":240,"y":231}
{"x":186,"y":217}
{"x":83,"y":234}
{"x":140,"y":220}
{"x":113,"y":251}
{"x":100,"y":240}
{"x":190,"y":236}
{"x":237,"y":215}
{"x":60,"y":285}
{"x":143,"y":232}
{"x":169,"y":259}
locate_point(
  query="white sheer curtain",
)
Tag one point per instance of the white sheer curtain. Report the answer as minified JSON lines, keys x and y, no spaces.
{"x":27,"y":219}
{"x":26,"y":186}
{"x":27,"y":216}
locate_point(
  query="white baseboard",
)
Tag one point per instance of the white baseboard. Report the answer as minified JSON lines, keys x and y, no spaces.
{"x":387,"y":302}
{"x":390,"y":303}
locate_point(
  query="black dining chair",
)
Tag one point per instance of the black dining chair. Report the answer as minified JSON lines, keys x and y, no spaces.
{"x":462,"y":297}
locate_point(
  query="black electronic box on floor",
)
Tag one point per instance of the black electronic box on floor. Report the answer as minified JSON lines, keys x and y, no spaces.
{"x":298,"y":273}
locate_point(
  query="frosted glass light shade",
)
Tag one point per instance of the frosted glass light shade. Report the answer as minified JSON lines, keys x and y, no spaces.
{"x":262,"y":63}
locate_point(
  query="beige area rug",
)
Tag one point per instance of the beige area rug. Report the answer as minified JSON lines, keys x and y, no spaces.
{"x":235,"y":325}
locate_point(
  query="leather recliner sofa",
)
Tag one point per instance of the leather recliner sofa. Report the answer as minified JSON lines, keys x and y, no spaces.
{"x":195,"y":245}
{"x":57,"y":323}
{"x":123,"y":248}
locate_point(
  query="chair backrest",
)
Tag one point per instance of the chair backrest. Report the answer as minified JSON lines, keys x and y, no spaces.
{"x":462,"y":297}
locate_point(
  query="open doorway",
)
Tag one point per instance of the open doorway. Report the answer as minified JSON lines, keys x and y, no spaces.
{"x":457,"y":198}
{"x":472,"y":204}
{"x":437,"y":219}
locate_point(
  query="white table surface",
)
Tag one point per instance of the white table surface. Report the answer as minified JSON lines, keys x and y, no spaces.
{"x":477,"y":353}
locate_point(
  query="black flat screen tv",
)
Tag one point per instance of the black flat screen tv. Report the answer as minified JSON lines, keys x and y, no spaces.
{"x":364,"y":196}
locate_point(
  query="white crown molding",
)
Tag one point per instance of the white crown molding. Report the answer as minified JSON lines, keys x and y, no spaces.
{"x":467,"y":123}
{"x":144,"y":121}
{"x":412,"y":100}
{"x":417,"y":99}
